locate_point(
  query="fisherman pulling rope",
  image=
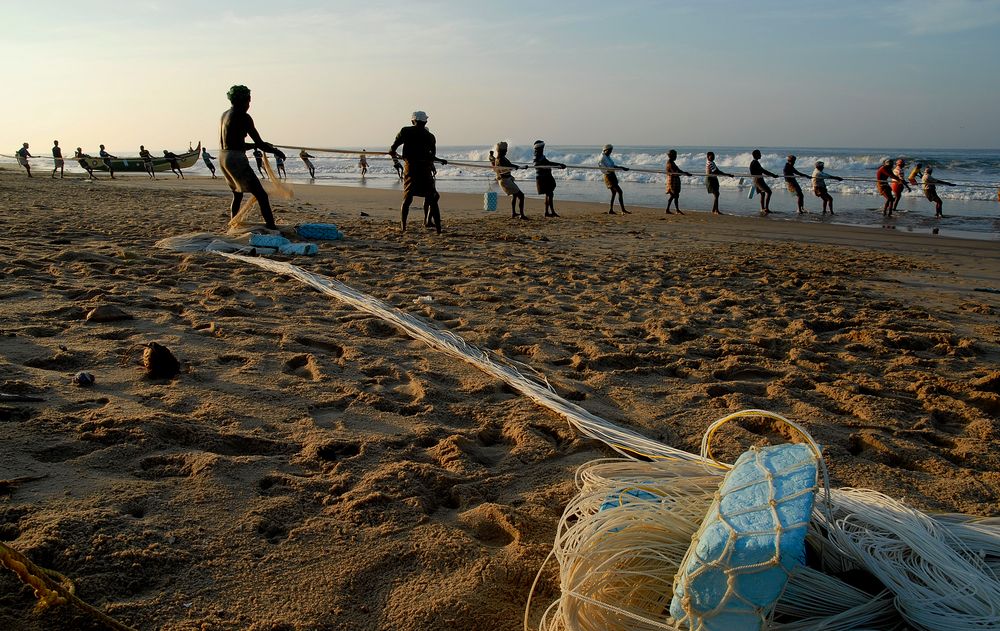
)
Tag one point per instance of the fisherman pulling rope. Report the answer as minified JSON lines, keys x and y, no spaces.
{"x":419,"y":147}
{"x":236,"y":125}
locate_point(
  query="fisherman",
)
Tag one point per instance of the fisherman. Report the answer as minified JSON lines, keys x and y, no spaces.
{"x":279,"y":166}
{"x":819,"y":178}
{"x":84,"y":161}
{"x":419,"y":147}
{"x":757,"y":172}
{"x":916,"y":174}
{"x":106,"y":158}
{"x":208,"y":160}
{"x":147,"y":161}
{"x":793,"y":185}
{"x":427,"y":200}
{"x":503,"y":168}
{"x":898,"y":184}
{"x":304,"y":156}
{"x":611,"y":179}
{"x":882,"y":177}
{"x":363,"y":164}
{"x":930,"y":189}
{"x":175,"y":166}
{"x":236,"y":125}
{"x":712,"y":174}
{"x":57,"y":159}
{"x":545,"y":182}
{"x":258,"y":155}
{"x":674,"y":174}
{"x":22,"y":157}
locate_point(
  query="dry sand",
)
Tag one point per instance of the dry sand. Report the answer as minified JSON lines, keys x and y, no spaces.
{"x":313,"y":468}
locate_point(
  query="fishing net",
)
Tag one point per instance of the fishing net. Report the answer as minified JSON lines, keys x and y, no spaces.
{"x":623,"y":542}
{"x":276,"y":187}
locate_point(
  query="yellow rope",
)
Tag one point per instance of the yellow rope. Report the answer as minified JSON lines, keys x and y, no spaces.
{"x":52,"y":588}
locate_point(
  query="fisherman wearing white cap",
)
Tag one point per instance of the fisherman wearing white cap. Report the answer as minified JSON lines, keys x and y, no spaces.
{"x":503,"y":167}
{"x":611,"y":180}
{"x":819,"y":178}
{"x":930,"y":189}
{"x":419,"y":147}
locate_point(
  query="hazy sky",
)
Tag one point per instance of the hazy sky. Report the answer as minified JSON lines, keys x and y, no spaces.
{"x":914,"y":73}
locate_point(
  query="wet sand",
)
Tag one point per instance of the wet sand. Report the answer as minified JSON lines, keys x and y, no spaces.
{"x":314,"y":468}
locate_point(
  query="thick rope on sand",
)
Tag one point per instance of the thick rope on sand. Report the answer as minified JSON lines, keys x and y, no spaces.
{"x":52,"y":588}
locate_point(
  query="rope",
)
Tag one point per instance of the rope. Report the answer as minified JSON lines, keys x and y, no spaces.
{"x":52,"y":588}
{"x":348,"y":151}
{"x":535,"y":387}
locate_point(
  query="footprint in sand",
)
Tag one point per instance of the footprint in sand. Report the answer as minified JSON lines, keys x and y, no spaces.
{"x":304,"y":366}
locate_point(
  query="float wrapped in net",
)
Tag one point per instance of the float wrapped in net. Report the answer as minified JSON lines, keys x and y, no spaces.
{"x":862,"y":561}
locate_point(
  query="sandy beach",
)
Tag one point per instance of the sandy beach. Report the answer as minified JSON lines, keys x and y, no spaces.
{"x":314,"y":468}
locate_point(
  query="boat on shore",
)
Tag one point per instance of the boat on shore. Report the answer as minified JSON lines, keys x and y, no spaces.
{"x":186,"y":160}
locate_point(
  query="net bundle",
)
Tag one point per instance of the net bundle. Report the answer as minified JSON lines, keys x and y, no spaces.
{"x":626,"y":542}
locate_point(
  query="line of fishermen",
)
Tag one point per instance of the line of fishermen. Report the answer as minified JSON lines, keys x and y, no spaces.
{"x":86,"y":161}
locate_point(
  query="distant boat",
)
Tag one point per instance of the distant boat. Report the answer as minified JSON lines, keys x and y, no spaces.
{"x":186,"y":160}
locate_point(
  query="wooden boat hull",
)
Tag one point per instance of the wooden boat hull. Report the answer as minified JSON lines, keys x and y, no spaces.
{"x":186,"y":160}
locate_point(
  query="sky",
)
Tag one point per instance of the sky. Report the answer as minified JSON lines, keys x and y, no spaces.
{"x":907,"y":74}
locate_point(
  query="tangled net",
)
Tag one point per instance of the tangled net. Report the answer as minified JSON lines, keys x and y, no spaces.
{"x":278,"y":188}
{"x":873,"y":563}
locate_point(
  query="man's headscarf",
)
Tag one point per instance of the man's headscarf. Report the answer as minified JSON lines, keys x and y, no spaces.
{"x":238,"y":92}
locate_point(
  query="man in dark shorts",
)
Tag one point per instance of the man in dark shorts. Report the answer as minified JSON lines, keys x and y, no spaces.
{"x":258,"y":156}
{"x":419,"y":147}
{"x":106,"y":158}
{"x":882,"y":185}
{"x":712,"y":174}
{"x":758,"y":172}
{"x":175,"y":166}
{"x":930,"y":189}
{"x":236,"y":125}
{"x":84,"y":161}
{"x":545,"y":183}
{"x":58,"y":163}
{"x":611,"y":179}
{"x":304,"y":156}
{"x":793,"y":185}
{"x":674,"y":174}
{"x":147,"y":161}
{"x":22,"y":155}
{"x":208,"y":160}
{"x":819,"y":178}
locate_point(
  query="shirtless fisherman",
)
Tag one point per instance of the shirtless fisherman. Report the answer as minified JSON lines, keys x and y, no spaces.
{"x":674,"y":174}
{"x":793,"y":185}
{"x":236,"y":125}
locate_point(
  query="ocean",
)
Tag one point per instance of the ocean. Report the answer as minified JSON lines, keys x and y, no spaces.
{"x":971,"y":208}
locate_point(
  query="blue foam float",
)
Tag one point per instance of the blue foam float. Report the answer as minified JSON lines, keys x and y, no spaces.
{"x":738,"y":563}
{"x":320,"y":231}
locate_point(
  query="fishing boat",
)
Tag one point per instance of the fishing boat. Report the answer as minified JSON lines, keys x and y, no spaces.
{"x":186,"y":160}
